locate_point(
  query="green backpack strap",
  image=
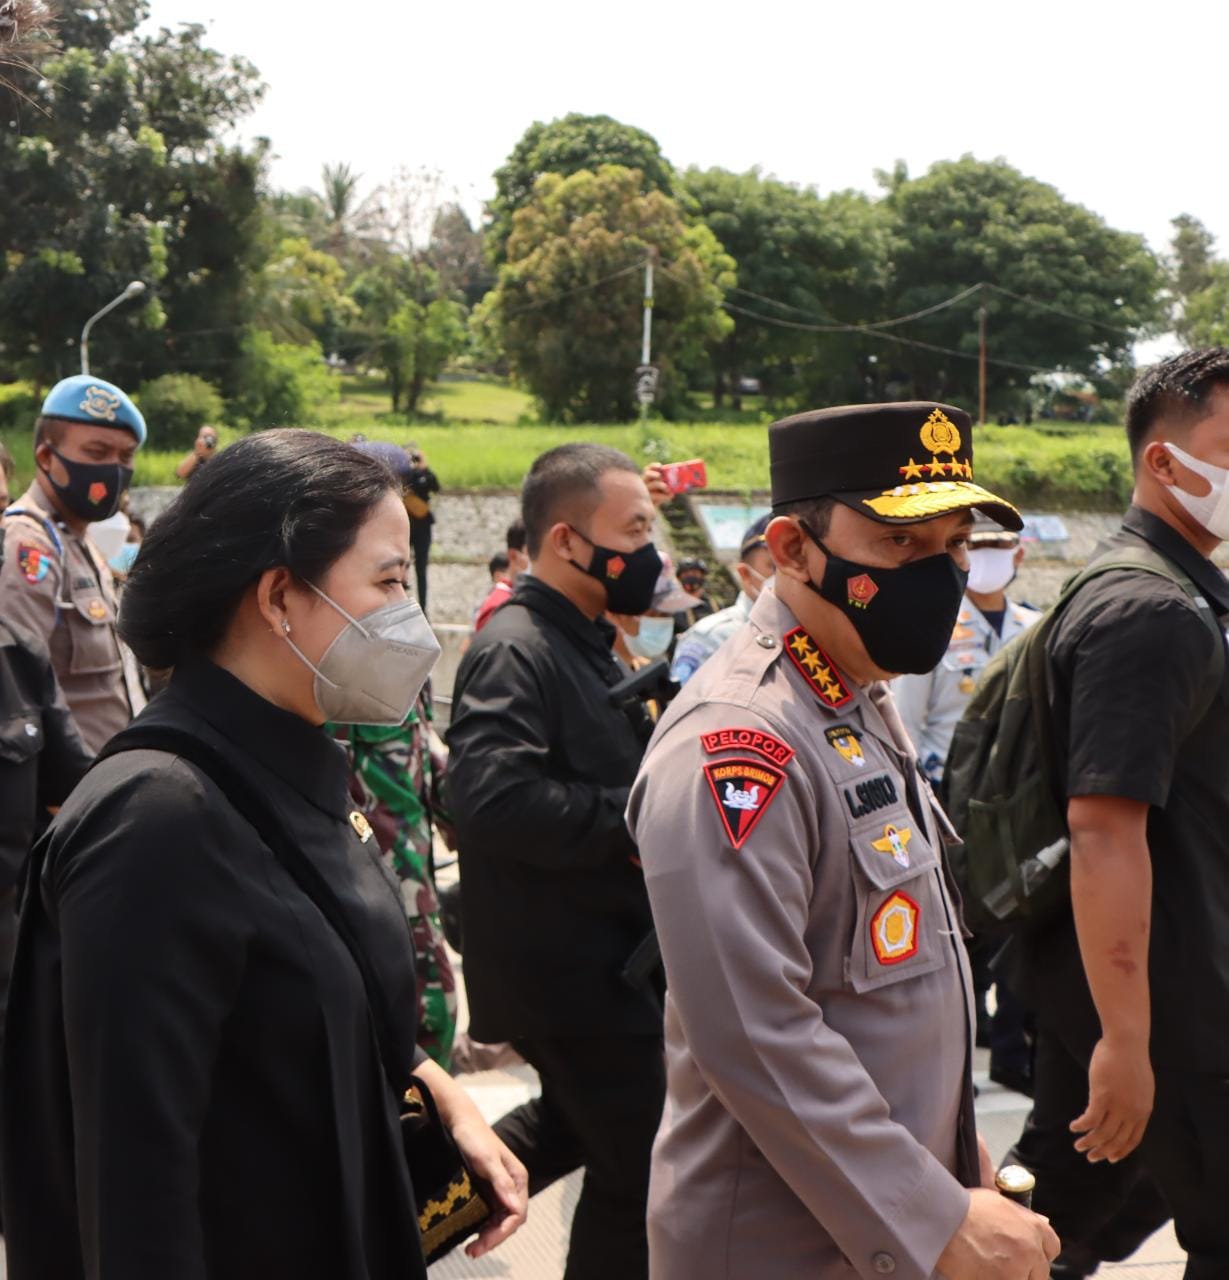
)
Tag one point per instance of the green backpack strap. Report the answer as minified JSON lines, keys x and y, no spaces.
{"x":1141,"y":559}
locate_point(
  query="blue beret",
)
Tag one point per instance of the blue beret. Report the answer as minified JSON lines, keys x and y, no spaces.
{"x":102,"y":404}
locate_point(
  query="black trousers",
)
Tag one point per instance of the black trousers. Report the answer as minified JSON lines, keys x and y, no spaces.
{"x":600,"y":1107}
{"x":1104,"y":1212}
{"x":420,"y":541}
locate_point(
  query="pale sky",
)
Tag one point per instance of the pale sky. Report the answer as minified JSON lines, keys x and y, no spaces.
{"x":1121,"y":107}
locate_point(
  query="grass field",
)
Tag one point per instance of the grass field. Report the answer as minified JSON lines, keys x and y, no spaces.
{"x":480,"y":435}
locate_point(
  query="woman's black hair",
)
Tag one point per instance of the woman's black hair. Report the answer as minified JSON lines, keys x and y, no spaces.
{"x":285,"y":497}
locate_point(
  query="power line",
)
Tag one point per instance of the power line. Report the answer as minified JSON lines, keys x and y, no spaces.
{"x":1058,"y":311}
{"x":868,"y":332}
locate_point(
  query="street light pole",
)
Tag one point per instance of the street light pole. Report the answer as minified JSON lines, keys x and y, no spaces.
{"x":646,"y":341}
{"x":135,"y":288}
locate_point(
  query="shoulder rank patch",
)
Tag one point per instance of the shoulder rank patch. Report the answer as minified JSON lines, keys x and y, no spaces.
{"x":894,"y":929}
{"x":817,"y":669}
{"x":362,"y":828}
{"x":896,"y":842}
{"x":743,"y":790}
{"x":34,"y":562}
{"x":843,"y":740}
{"x":763,"y":744}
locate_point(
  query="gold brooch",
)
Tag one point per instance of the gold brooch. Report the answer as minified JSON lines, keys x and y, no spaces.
{"x":362,"y":828}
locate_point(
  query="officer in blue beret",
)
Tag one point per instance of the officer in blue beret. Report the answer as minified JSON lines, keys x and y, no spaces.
{"x":54,"y":581}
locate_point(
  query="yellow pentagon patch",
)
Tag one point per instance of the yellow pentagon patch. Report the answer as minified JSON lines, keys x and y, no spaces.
{"x":896,"y":842}
{"x":894,"y":929}
{"x":362,"y":827}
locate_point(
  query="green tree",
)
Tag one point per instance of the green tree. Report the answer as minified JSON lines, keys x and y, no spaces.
{"x":566,"y":146}
{"x":1206,"y":315}
{"x":1191,"y":268}
{"x":417,"y":342}
{"x":114,"y":171}
{"x":301,"y":295}
{"x":1084,"y":291}
{"x":456,"y":255}
{"x":800,"y":257}
{"x":568,"y":305}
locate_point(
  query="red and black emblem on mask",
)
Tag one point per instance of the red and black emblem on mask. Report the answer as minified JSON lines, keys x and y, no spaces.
{"x":98,"y":492}
{"x":862,"y":590}
{"x":615,"y":566}
{"x":743,"y":790}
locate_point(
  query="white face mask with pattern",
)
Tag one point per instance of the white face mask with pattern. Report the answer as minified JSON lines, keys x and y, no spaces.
{"x":1212,"y":508}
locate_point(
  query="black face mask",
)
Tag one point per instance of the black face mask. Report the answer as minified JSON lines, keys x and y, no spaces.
{"x":93,"y":490}
{"x":628,"y":576}
{"x":903,"y":616}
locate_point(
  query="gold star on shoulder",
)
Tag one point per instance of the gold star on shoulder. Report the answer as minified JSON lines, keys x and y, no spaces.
{"x":817,"y":669}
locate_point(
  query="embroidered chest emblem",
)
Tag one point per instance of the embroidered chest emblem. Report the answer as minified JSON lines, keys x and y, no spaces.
{"x":362,"y":828}
{"x":842,"y":739}
{"x":818,"y":670}
{"x":896,"y":842}
{"x":742,"y":790}
{"x":894,"y":929}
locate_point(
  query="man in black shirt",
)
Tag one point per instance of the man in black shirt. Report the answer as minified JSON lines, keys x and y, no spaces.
{"x":1132,"y":989}
{"x":553,"y":900}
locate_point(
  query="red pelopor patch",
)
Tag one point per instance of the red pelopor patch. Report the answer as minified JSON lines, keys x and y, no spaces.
{"x":862,"y":590}
{"x":615,"y":566}
{"x":98,"y":492}
{"x":894,"y":929}
{"x":756,"y":740}
{"x":743,"y":790}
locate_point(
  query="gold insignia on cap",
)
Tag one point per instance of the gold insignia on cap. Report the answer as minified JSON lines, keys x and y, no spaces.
{"x":362,"y":827}
{"x":940,"y":434}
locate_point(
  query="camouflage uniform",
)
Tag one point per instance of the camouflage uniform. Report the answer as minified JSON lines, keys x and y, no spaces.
{"x":395,"y":780}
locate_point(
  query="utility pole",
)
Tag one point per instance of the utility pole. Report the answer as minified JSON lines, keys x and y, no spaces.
{"x":646,"y":375}
{"x":981,"y":366}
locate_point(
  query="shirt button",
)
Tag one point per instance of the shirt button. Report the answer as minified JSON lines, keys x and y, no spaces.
{"x":766,"y":642}
{"x":884,"y":1263}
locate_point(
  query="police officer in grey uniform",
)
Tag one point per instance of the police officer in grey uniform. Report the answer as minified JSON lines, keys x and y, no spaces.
{"x":54,"y":581}
{"x":819,"y":1119}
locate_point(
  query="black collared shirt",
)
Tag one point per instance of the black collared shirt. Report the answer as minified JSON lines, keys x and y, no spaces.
{"x":1138,"y":714}
{"x":539,"y":774}
{"x":191,"y":1087}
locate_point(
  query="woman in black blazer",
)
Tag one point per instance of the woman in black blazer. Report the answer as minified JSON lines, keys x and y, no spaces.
{"x":191,"y":1085}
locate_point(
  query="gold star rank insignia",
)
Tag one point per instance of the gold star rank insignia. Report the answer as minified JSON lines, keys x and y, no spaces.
{"x":912,"y":470}
{"x":362,"y":828}
{"x":817,"y":669}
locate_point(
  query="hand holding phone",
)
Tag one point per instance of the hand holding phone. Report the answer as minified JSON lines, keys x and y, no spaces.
{"x":683,"y":477}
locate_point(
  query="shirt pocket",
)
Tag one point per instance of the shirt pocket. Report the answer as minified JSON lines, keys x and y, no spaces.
{"x":91,"y":622}
{"x":21,"y":737}
{"x":900,"y":922}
